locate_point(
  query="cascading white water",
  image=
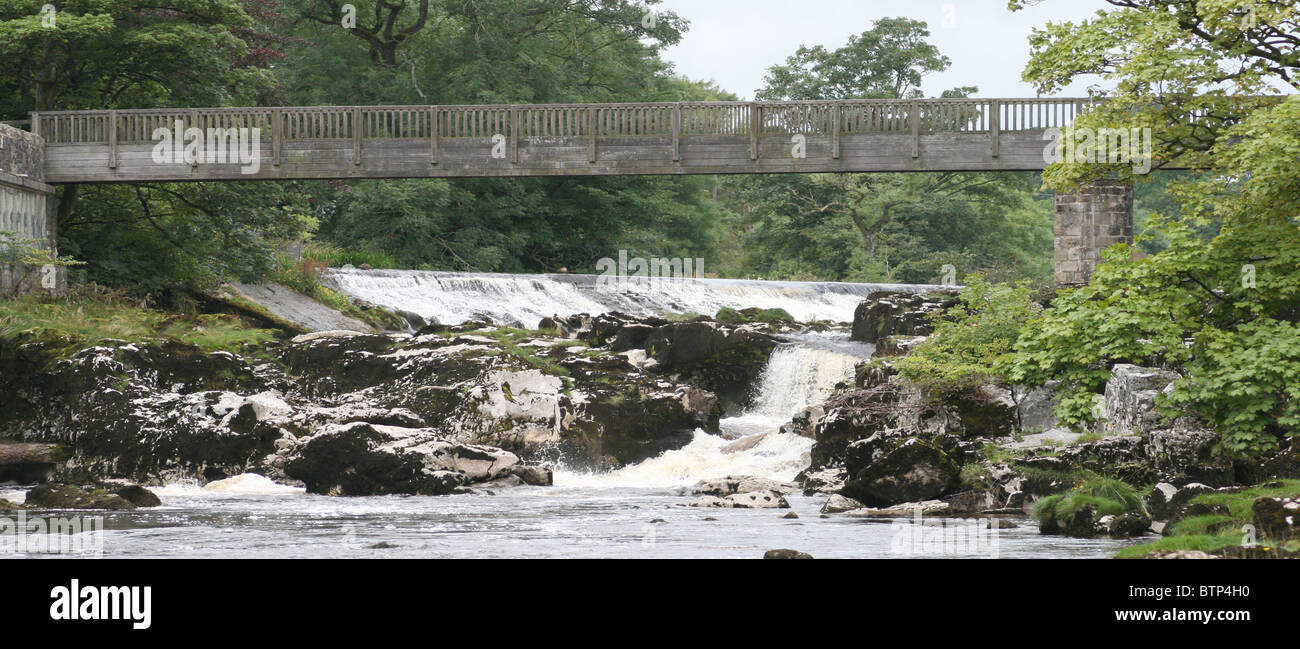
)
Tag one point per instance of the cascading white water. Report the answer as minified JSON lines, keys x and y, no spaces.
{"x":799,"y":374}
{"x":523,"y":300}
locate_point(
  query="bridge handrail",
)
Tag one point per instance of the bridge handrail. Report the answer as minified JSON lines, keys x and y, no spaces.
{"x":632,"y":119}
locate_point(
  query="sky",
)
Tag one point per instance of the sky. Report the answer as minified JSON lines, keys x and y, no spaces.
{"x":734,"y":41}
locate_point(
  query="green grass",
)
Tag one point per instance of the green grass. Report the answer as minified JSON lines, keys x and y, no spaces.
{"x":1104,"y":496}
{"x":90,"y":315}
{"x":1212,"y":532}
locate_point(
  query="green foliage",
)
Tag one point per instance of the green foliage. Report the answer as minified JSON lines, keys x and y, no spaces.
{"x":1166,"y":62}
{"x":167,"y":240}
{"x":1222,"y":313}
{"x":22,"y":258}
{"x":973,"y":340}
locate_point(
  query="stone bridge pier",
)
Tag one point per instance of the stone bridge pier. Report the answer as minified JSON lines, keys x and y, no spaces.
{"x":1099,"y":215}
{"x":26,"y":204}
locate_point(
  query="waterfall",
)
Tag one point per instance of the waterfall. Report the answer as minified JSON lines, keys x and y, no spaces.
{"x":523,"y":300}
{"x":799,"y":374}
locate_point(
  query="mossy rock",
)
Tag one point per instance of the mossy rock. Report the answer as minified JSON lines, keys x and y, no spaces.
{"x":58,"y":496}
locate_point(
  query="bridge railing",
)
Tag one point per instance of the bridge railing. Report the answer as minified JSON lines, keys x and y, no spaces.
{"x":572,"y":120}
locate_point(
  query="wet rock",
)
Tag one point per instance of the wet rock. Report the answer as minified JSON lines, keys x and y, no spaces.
{"x":724,"y":360}
{"x":364,"y":459}
{"x":790,"y":515}
{"x":139,"y":496}
{"x":751,"y":500}
{"x":902,"y":510}
{"x":740,"y":484}
{"x":837,"y":503}
{"x":827,"y":481}
{"x":534,"y":475}
{"x":890,"y":313}
{"x":57,"y":496}
{"x":904,"y":471}
{"x":786,"y":554}
{"x":6,"y":506}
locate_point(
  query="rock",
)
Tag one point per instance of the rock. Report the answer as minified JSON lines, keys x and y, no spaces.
{"x":382,"y":545}
{"x":786,"y":554}
{"x":902,"y":510}
{"x":725,"y":360}
{"x":27,"y":463}
{"x":6,"y":506}
{"x":889,"y":313}
{"x":1277,"y":518}
{"x":971,"y":502}
{"x":904,"y":471}
{"x":1188,"y":454}
{"x":1160,"y":500}
{"x":1036,"y":407}
{"x":837,"y":503}
{"x":751,"y":500}
{"x":790,"y":515}
{"x":1130,"y":398}
{"x":896,"y":346}
{"x":828,"y":481}
{"x":363,"y":459}
{"x":534,"y":475}
{"x":740,"y":484}
{"x":1126,"y":525}
{"x":56,"y":496}
{"x":139,"y":496}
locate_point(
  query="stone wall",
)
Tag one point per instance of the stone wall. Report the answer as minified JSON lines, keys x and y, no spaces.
{"x":1098,"y":216}
{"x":26,"y":203}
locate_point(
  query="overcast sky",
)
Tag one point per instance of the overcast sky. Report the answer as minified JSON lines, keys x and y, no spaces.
{"x":734,"y":41}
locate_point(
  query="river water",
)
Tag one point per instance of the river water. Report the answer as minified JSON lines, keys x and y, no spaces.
{"x":639,"y":511}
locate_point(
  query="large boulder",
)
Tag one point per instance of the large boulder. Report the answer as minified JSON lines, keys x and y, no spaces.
{"x":362,"y":459}
{"x":1129,"y":403}
{"x":63,"y":496}
{"x":749,"y":500}
{"x":740,"y":484}
{"x":722,"y":359}
{"x":902,"y":471}
{"x":891,"y":313}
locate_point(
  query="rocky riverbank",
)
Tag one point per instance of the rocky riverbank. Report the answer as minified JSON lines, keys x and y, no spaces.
{"x":346,"y":413}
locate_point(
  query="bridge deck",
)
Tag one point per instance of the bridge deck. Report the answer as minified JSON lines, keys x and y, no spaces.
{"x":553,"y":140}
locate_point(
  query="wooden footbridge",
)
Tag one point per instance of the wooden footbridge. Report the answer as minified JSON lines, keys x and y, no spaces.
{"x":331,"y":142}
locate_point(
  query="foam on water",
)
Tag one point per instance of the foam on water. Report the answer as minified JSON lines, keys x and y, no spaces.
{"x":779,"y":456}
{"x":523,"y":300}
{"x":244,"y":484}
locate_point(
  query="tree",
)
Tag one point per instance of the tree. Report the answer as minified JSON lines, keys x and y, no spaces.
{"x":1221,"y":313}
{"x":887,"y":61}
{"x":806,"y":225}
{"x":1188,"y":70}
